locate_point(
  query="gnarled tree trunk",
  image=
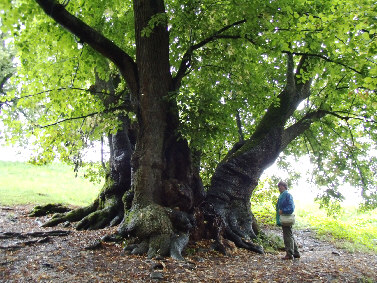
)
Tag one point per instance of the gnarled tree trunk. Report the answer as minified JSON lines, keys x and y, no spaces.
{"x":237,"y":175}
{"x":169,"y":203}
{"x":162,"y":180}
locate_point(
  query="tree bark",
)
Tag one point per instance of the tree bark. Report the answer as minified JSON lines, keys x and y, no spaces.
{"x":170,"y":205}
{"x":237,"y":175}
{"x":165,"y":187}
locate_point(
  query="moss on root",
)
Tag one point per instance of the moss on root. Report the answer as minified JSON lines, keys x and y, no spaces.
{"x":72,"y":216}
{"x":152,"y":219}
{"x":152,"y":226}
{"x":101,"y":213}
{"x":109,"y":213}
{"x":271,"y":242}
{"x":42,"y":210}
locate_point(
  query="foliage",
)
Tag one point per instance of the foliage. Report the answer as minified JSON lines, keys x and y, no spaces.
{"x":263,"y":201}
{"x":270,"y":242}
{"x":237,"y":68}
{"x":57,"y":90}
{"x":54,"y":183}
{"x":331,"y":204}
{"x":358,"y":228}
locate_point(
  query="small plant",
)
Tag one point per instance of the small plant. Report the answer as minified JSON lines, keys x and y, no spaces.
{"x":270,"y":242}
{"x":263,"y":202}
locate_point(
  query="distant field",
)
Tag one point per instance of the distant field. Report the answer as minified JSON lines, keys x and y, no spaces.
{"x":22,"y":183}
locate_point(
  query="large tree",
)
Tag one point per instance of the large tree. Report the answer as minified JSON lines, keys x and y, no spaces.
{"x":183,"y":89}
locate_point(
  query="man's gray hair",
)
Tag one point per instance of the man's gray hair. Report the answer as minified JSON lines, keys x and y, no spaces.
{"x":284,"y":184}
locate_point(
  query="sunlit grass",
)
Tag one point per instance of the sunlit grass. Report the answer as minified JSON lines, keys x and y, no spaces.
{"x":352,"y":226}
{"x":350,"y":229}
{"x":22,"y":183}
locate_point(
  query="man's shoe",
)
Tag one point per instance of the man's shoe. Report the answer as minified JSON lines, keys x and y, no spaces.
{"x":287,"y":257}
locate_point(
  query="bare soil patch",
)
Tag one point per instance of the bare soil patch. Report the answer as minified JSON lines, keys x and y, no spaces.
{"x":53,"y":258}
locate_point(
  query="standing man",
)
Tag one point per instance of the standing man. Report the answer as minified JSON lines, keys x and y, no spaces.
{"x":285,"y":205}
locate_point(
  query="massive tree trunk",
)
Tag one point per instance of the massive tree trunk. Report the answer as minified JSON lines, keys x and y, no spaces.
{"x":169,"y":204}
{"x":237,"y":175}
{"x":162,"y":181}
{"x":233,"y":183}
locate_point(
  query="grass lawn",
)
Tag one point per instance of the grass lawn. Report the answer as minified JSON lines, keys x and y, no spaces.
{"x":23,"y":183}
{"x":357,"y":230}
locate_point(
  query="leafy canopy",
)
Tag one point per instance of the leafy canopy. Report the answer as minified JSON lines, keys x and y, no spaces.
{"x":237,"y":56}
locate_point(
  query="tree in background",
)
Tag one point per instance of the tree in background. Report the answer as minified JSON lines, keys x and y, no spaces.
{"x":7,"y":70}
{"x":197,"y":88}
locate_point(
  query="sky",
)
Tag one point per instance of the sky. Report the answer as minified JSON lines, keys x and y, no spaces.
{"x":9,"y":153}
{"x":305,"y":191}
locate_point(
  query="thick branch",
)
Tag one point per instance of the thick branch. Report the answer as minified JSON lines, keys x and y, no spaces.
{"x":300,"y":127}
{"x":4,"y":80}
{"x":239,"y":126}
{"x":291,"y":84}
{"x":186,"y":60}
{"x":327,"y":59}
{"x":303,"y":85}
{"x":96,"y":40}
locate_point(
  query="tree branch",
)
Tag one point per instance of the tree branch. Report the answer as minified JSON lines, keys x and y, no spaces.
{"x":58,"y":89}
{"x":300,"y":127}
{"x":4,"y":80}
{"x":291,"y":83}
{"x":304,"y":123}
{"x":327,"y":59}
{"x":81,"y":117}
{"x":346,"y":118}
{"x":93,"y":38}
{"x":239,"y":126}
{"x":186,"y":60}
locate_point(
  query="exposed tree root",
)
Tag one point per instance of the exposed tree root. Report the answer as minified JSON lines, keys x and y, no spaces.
{"x":235,"y":223}
{"x":45,"y":237}
{"x":98,"y":215}
{"x":151,"y":231}
{"x":10,"y":235}
{"x":42,"y":210}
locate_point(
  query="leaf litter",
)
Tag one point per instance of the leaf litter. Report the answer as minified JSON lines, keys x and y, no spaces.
{"x":64,"y":259}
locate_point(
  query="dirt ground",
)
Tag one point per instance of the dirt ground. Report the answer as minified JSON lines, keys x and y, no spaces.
{"x":31,"y":257}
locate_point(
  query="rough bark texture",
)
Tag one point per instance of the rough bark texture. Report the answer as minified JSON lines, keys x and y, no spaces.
{"x":164,"y":215}
{"x":163,"y":183}
{"x":232,"y":185}
{"x":237,"y":175}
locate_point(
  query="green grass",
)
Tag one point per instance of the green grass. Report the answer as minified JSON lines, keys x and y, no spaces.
{"x":22,"y":183}
{"x":357,"y":231}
